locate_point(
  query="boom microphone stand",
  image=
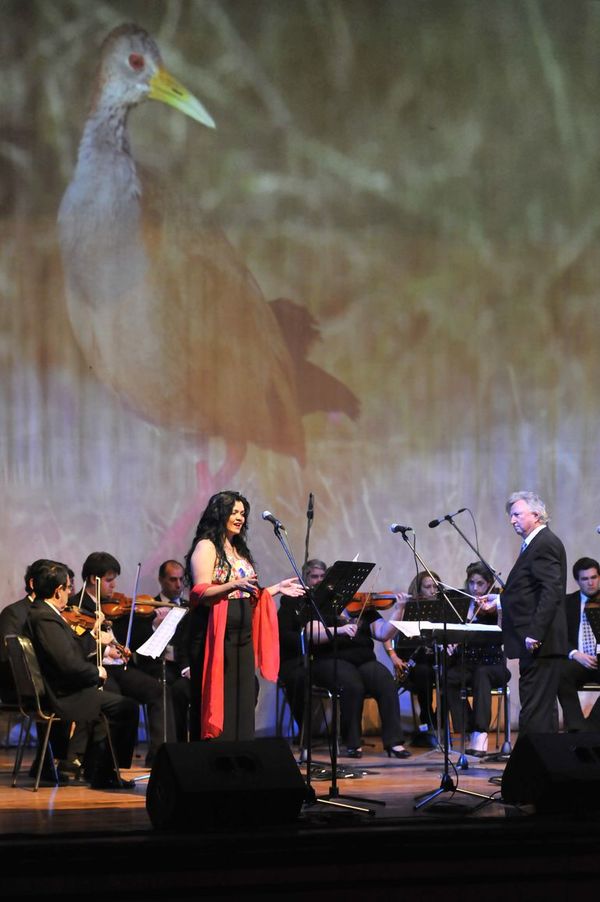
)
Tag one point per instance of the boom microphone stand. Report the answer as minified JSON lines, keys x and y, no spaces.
{"x":315,"y":614}
{"x":506,"y":745}
{"x":447,"y":784}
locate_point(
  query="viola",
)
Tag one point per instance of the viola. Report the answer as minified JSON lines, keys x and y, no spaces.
{"x":78,"y":619}
{"x":81,"y":622}
{"x":362,"y":601}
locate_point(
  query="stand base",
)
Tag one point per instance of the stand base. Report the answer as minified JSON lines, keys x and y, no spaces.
{"x":447,"y":784}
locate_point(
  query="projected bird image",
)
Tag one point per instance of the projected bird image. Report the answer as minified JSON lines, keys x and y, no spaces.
{"x":165,"y":312}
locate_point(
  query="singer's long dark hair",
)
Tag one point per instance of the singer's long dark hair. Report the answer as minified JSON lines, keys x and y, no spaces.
{"x":212,"y":525}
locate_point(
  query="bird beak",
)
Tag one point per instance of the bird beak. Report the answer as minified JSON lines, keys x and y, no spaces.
{"x":170,"y":91}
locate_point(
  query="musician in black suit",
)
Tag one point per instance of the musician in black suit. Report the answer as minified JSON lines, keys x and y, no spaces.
{"x":581,"y":665}
{"x":534,"y":624}
{"x":175,"y":656}
{"x":72,"y":681}
{"x":128,"y":680}
{"x":12,"y":622}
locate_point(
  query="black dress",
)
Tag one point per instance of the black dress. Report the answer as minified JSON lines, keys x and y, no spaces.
{"x":239,"y":670}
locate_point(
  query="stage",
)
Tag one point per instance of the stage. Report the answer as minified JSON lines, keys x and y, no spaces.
{"x":71,"y":840}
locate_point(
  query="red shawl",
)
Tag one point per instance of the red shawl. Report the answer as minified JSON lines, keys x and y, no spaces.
{"x":265,"y":639}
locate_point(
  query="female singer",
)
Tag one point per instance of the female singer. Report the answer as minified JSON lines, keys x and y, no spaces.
{"x":233,"y":622}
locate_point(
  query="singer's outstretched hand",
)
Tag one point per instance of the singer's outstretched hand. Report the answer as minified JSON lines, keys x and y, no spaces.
{"x":290,"y":587}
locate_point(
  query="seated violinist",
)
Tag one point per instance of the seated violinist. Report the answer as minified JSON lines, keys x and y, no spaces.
{"x":357,"y":670}
{"x":479,"y":666}
{"x":124,"y":676}
{"x":72,"y":681}
{"x":175,"y":656}
{"x":414,"y":664}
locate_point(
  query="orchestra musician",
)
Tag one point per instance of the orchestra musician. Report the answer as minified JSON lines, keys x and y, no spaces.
{"x":124,"y":676}
{"x":534,"y":625}
{"x":72,"y":681}
{"x":12,"y":622}
{"x":357,"y":670}
{"x":176,"y":658}
{"x":581,"y":665}
{"x":415,"y":671}
{"x":480,"y":666}
{"x":233,"y":622}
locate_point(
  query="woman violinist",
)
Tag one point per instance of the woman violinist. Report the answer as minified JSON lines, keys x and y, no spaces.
{"x":233,"y":622}
{"x":357,"y":670}
{"x":414,"y":670}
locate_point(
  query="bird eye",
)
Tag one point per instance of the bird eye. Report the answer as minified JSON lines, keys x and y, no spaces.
{"x":136,"y":61}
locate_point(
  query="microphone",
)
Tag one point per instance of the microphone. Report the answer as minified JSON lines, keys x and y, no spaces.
{"x":310,"y":513}
{"x":598,"y":529}
{"x":267,"y":515}
{"x":395,"y":527}
{"x":434,"y":523}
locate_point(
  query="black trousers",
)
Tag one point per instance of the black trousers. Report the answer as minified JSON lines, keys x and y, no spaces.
{"x":538,"y":689}
{"x":481,"y":679}
{"x":354,"y":682}
{"x":572,"y":677}
{"x":146,"y":690}
{"x":122,"y":714}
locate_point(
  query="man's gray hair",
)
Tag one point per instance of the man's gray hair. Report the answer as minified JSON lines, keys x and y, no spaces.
{"x":533,"y":502}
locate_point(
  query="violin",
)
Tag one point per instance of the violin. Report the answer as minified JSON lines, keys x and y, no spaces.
{"x":119,"y":605}
{"x":378,"y":601}
{"x":81,"y":622}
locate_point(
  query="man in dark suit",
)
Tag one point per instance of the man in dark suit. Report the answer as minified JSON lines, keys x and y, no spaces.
{"x":129,"y":680}
{"x":582,"y":664}
{"x":175,"y":656}
{"x":534,"y":624}
{"x":72,"y":680}
{"x":12,"y":622}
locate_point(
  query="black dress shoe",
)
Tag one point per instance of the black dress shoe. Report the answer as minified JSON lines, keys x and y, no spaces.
{"x":112,"y":782}
{"x":424,"y":740}
{"x":353,"y":753}
{"x":47,"y":776}
{"x":398,"y":753}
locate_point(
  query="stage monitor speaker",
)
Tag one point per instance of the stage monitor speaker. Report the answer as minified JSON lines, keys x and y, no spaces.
{"x":203,"y":786}
{"x":556,"y":772}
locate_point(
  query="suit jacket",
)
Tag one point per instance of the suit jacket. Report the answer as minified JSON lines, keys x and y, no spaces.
{"x":533,"y":600}
{"x":12,"y":622}
{"x":573,"y":610}
{"x":141,"y":631}
{"x":66,"y":670}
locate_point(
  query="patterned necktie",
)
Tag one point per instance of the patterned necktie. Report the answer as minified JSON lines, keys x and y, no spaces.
{"x":588,"y":640}
{"x":523,"y":547}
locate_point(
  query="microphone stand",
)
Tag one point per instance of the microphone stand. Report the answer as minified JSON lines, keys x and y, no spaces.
{"x":278,"y":529}
{"x":447,"y":784}
{"x":311,"y":797}
{"x":310,"y":513}
{"x":506,"y":745}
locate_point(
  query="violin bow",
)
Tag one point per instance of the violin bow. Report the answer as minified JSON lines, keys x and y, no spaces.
{"x":98,"y":612}
{"x":132,"y":611}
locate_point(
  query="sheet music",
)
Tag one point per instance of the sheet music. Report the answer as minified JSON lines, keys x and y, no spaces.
{"x":412,"y":629}
{"x":160,"y":638}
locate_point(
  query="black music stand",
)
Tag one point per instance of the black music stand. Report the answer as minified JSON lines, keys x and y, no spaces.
{"x":432,"y":610}
{"x":447,"y":784}
{"x":340,"y":584}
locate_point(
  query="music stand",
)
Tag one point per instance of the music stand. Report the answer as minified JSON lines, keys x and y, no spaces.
{"x":340,"y":584}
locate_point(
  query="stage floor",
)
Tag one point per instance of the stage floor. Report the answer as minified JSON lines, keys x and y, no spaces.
{"x":70,"y":840}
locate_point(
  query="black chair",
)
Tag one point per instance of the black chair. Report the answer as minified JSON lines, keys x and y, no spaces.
{"x":32,"y":701}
